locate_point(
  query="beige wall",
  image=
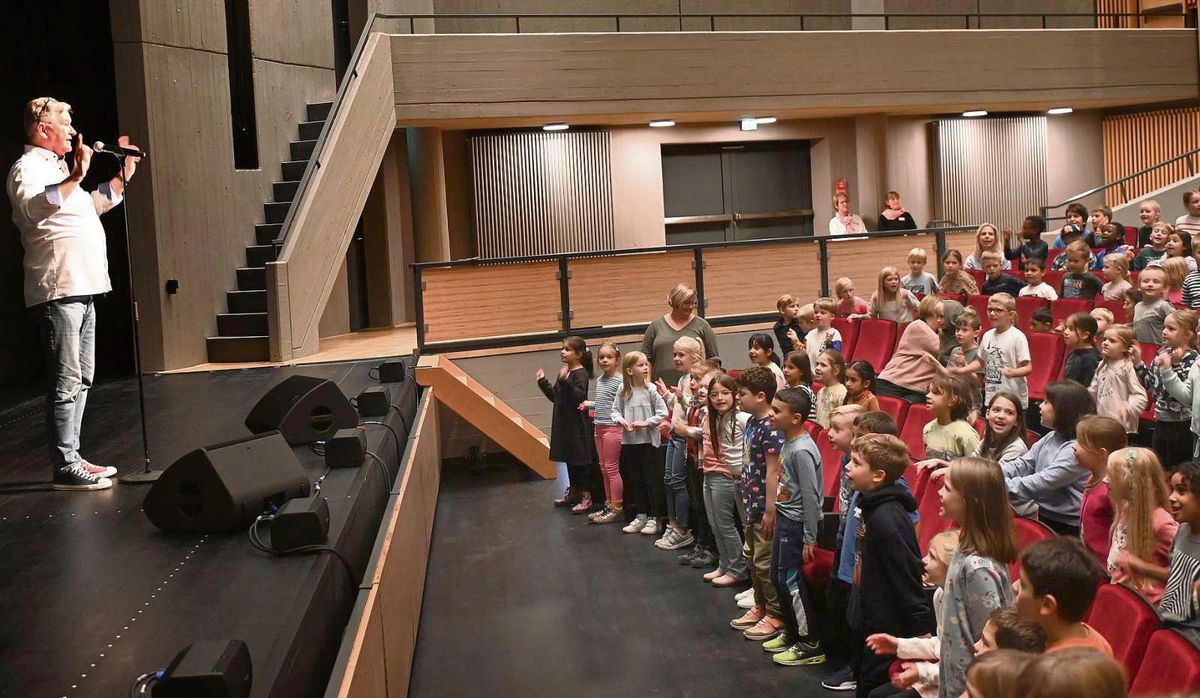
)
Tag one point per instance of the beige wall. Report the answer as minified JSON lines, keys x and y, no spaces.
{"x":191,"y":212}
{"x":1075,"y":153}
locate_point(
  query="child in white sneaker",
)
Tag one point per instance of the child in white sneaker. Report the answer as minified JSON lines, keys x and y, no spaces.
{"x":639,"y":409}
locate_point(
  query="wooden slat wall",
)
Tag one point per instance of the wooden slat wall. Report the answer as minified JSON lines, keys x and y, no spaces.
{"x":746,"y":280}
{"x":324,"y":217}
{"x":862,"y":259}
{"x":626,"y":289}
{"x":1106,"y":8}
{"x":541,"y":192}
{"x":1134,"y":142}
{"x":492,"y":301}
{"x":989,"y":169}
{"x":963,"y":242}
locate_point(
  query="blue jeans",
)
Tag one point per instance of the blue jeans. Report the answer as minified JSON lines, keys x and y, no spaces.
{"x":67,"y":328}
{"x":675,"y":478}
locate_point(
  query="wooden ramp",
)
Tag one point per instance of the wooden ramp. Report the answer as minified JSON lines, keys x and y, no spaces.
{"x":487,"y":413}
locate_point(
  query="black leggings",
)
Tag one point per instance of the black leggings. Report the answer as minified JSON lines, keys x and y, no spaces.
{"x":890,"y":389}
{"x":637,"y":477}
{"x":698,"y":515}
{"x":1173,"y":443}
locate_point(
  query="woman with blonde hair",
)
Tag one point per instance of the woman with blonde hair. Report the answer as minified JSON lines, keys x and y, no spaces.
{"x":844,"y":222}
{"x":987,"y":238}
{"x":658,"y":344}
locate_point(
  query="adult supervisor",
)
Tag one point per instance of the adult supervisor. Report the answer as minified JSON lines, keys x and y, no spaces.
{"x":66,"y":265}
{"x":658,"y":344}
{"x":907,"y":374}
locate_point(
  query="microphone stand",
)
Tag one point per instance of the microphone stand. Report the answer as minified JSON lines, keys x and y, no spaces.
{"x":147,"y":475}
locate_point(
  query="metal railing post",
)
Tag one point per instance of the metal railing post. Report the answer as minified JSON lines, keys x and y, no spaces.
{"x":823,"y":260}
{"x":698,"y":265}
{"x":419,"y":307}
{"x":564,"y":294}
{"x":940,"y":237}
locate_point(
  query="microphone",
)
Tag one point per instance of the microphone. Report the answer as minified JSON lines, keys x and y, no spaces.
{"x":102,"y":147}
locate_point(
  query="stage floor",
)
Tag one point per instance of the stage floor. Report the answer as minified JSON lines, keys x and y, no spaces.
{"x":94,"y":595}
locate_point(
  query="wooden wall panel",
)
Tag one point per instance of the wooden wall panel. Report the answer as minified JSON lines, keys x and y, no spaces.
{"x":989,"y":169}
{"x":366,"y":671}
{"x":746,"y":280}
{"x":862,"y":259}
{"x":964,"y":242}
{"x":626,"y":289}
{"x":1134,"y":142}
{"x":491,"y":301}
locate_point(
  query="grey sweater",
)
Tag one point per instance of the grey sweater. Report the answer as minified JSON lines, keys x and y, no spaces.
{"x":975,"y":586}
{"x":643,"y":405}
{"x":1049,"y":475}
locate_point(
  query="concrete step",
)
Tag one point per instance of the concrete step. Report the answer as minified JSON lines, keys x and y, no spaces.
{"x":275,"y":211}
{"x":318,"y":111}
{"x":293,"y":170}
{"x":252,"y":278}
{"x":302,"y":150}
{"x":265,"y":233}
{"x":246,"y":301}
{"x":259,"y":255}
{"x":242,"y":324}
{"x":224,"y":350}
{"x":311,"y":130}
{"x":285,"y":191}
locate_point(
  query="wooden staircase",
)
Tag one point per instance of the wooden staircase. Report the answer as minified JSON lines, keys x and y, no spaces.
{"x":487,"y":413}
{"x":242,"y":332}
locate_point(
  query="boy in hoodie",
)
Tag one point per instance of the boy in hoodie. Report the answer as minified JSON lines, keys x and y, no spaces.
{"x":887,"y":595}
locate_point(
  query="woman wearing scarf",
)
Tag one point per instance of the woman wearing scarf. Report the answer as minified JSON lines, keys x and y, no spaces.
{"x":894,"y":217}
{"x":844,"y":222}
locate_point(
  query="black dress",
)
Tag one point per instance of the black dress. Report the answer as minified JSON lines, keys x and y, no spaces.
{"x":903,"y":222}
{"x":570,"y":440}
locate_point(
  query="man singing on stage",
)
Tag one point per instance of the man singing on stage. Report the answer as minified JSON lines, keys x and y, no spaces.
{"x":66,"y":265}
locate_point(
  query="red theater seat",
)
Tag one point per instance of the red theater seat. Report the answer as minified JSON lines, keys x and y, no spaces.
{"x":1171,"y":664}
{"x":1054,"y":278}
{"x":1028,"y":532}
{"x":875,"y":341}
{"x":1063,"y":308}
{"x":1050,"y":255}
{"x":1047,"y":352}
{"x":849,"y":330}
{"x":978,"y":275}
{"x":1126,"y":620}
{"x":896,"y":407}
{"x":978,"y":303}
{"x":929,"y":508}
{"x":1117,"y":308}
{"x":899,"y":333}
{"x":831,"y":465}
{"x":1026,"y":305}
{"x":913,"y":432}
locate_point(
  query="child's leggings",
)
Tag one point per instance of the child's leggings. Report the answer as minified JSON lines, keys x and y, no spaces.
{"x":675,"y":480}
{"x":721,"y":502}
{"x":608,"y":447}
{"x":637,"y":474}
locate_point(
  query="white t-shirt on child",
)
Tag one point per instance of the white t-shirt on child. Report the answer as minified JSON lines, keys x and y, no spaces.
{"x":818,"y":340}
{"x":1000,"y":351}
{"x":1042,"y":290}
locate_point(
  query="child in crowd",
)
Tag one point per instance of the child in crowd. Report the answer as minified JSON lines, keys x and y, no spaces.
{"x":1077,"y":282}
{"x":639,"y":409}
{"x":1189,"y":222}
{"x":920,"y":677}
{"x":955,"y":280}
{"x":1104,"y":317}
{"x":1070,"y":673}
{"x":860,"y":379}
{"x":1007,"y":630}
{"x":1041,"y":320}
{"x":722,"y":459}
{"x":986,"y":239}
{"x":794,"y":540}
{"x":1004,"y":430}
{"x":1142,"y":531}
{"x":687,"y":352}
{"x":1176,"y":271}
{"x":847,"y":303}
{"x":1076,"y":235}
{"x":1155,"y":247}
{"x":823,"y":336}
{"x":1032,"y":246}
{"x":1059,"y":578}
{"x":608,"y":433}
{"x":760,"y":483}
{"x":788,"y":334}
{"x":1172,"y":439}
{"x":995,"y":674}
{"x":570,"y":437}
{"x":1179,"y":244}
{"x":703,"y":553}
{"x":831,"y":372}
{"x":966,"y":332}
{"x":1132,"y":298}
{"x":1097,"y":439}
{"x":1149,"y":214}
{"x":1003,"y":353}
{"x":1150,"y":314}
{"x":1099,"y":219}
{"x":1076,"y":216}
{"x":1047,"y":482}
{"x":1035,"y":284}
{"x":949,"y":435}
{"x":918,"y":280}
{"x":887,"y":595}
{"x":1115,"y":387}
{"x":797,"y":371}
{"x":995,"y":280}
{"x":1116,"y":276}
{"x":1111,"y":239}
{"x":973,"y":495}
{"x":890,"y":301}
{"x":762,"y":353}
{"x":1180,"y":604}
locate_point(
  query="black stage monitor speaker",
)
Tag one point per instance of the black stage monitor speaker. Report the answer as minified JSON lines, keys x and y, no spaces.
{"x":373,"y":402}
{"x":225,"y":487}
{"x":393,"y":372}
{"x":301,"y":521}
{"x":209,"y":668}
{"x":304,"y":409}
{"x":346,"y":449}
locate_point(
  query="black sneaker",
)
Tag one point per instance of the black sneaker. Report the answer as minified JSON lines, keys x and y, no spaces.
{"x":841,"y":680}
{"x":705,"y":558}
{"x":686,"y":558}
{"x":75,"y":477}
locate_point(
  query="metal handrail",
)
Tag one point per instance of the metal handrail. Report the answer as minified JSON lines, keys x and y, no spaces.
{"x":1190,"y":156}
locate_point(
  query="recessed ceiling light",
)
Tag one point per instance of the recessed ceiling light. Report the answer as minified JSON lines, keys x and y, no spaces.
{"x":555,"y":127}
{"x":1060,"y":110}
{"x":765,"y":119}
{"x":750,"y":124}
{"x":662,"y":123}
{"x":976,"y":112}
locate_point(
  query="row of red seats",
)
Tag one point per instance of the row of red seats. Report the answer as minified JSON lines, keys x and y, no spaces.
{"x":1158,"y":660}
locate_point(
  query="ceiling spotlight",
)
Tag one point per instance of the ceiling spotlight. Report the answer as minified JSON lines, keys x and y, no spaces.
{"x":661,"y":123}
{"x":1060,"y":110}
{"x":765,"y":119}
{"x":555,"y":127}
{"x":976,"y":112}
{"x":750,"y":124}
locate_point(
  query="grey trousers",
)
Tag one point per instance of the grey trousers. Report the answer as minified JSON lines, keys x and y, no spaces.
{"x":67,"y":328}
{"x":721,"y":503}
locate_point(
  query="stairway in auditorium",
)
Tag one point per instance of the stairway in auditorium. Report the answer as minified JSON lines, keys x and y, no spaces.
{"x":242,"y":332}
